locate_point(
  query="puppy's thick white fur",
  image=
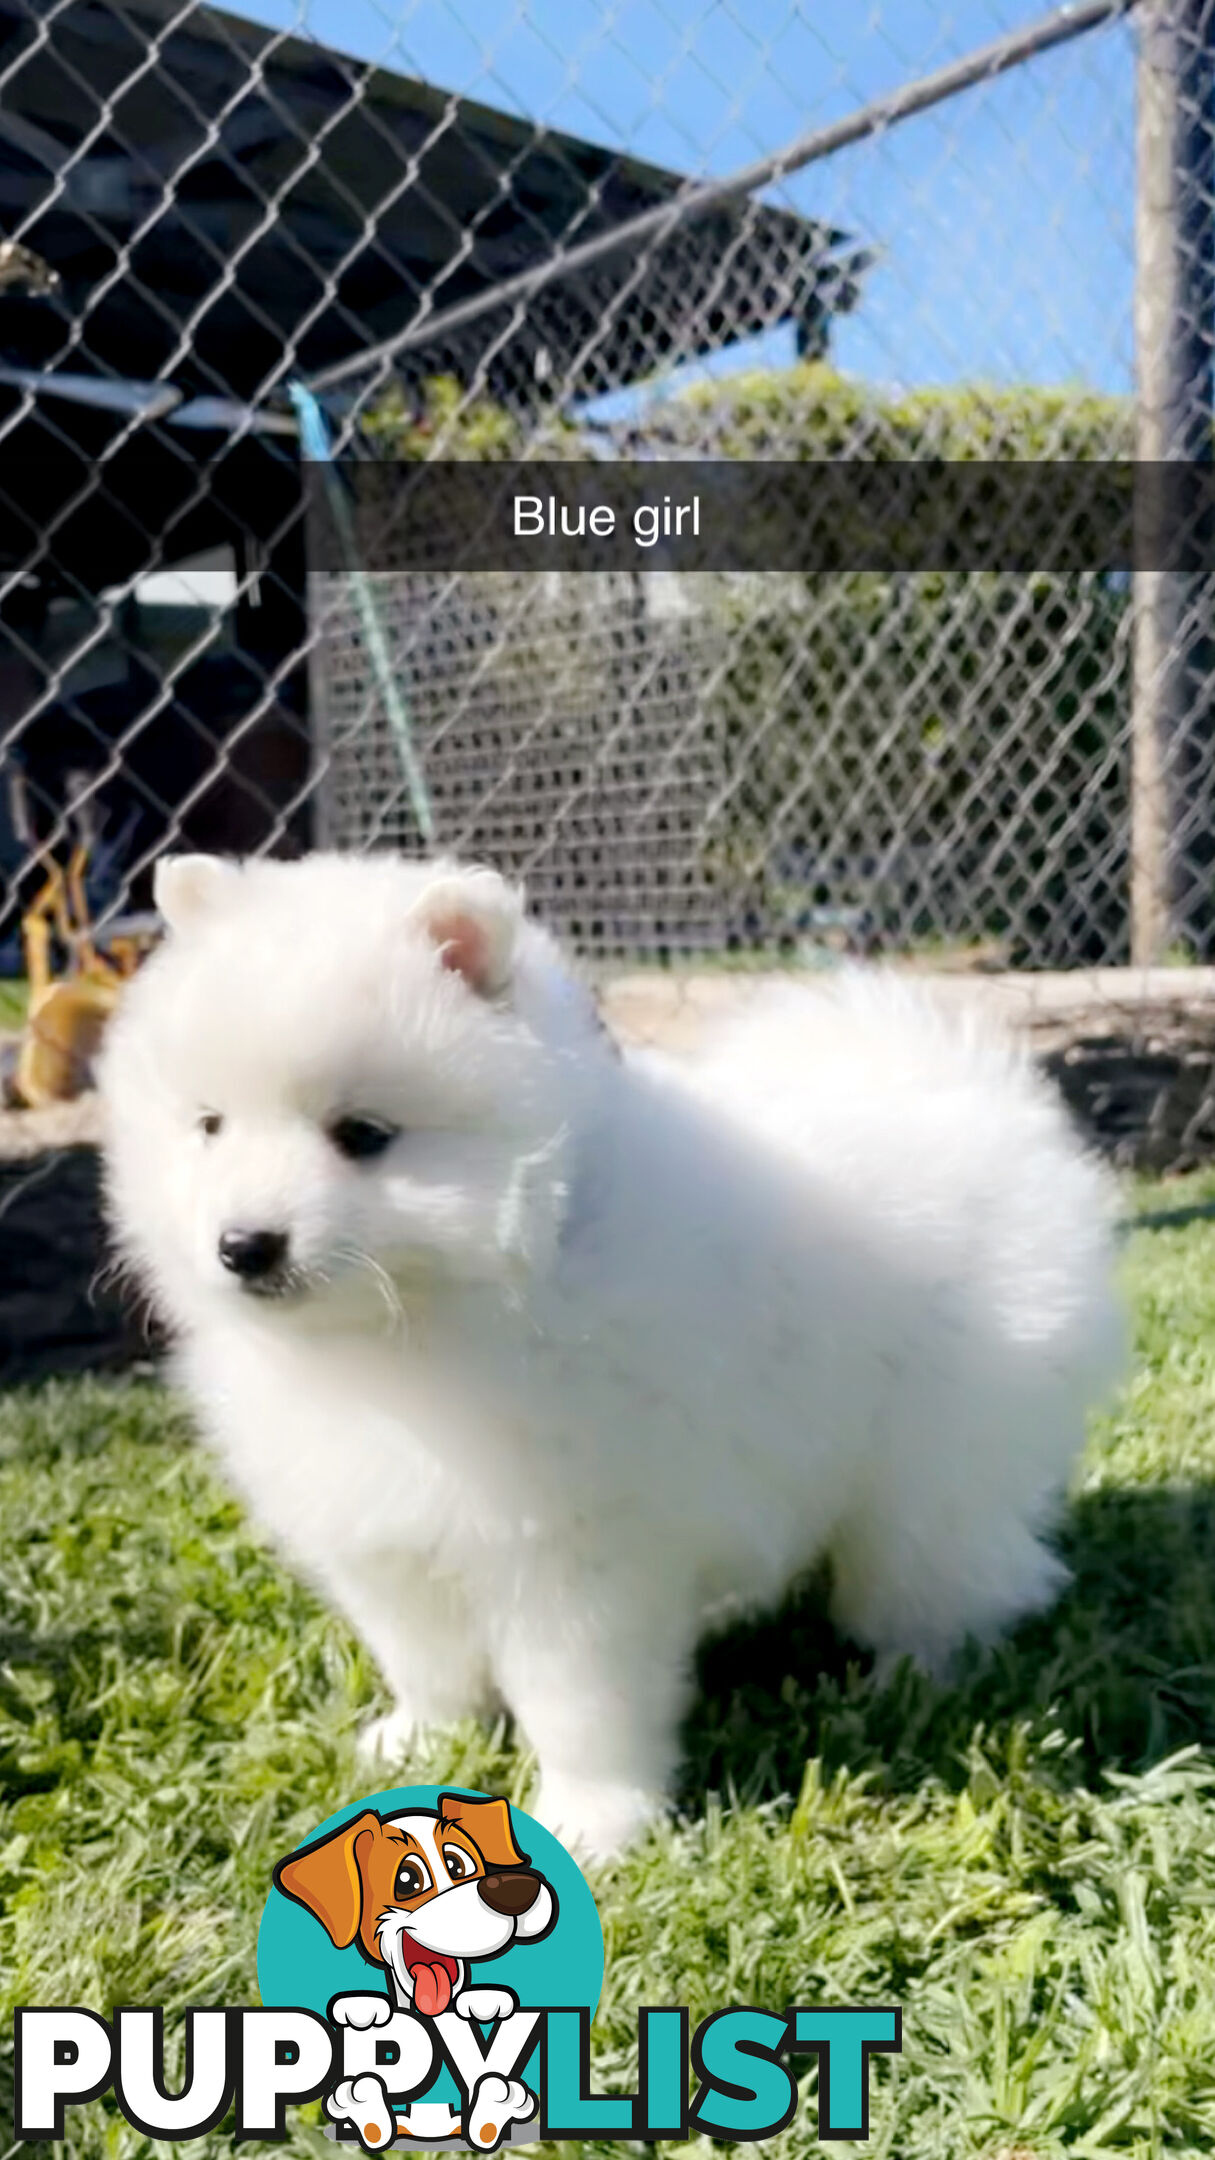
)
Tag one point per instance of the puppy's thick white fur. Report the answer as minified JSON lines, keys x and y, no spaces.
{"x":598,"y":1345}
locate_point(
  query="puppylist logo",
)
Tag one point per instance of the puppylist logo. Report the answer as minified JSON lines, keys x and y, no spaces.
{"x":430,"y":1925}
{"x":429,"y":1964}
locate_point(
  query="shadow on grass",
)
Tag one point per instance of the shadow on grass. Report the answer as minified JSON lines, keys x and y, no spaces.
{"x":1123,"y":1667}
{"x":1177,"y":1218}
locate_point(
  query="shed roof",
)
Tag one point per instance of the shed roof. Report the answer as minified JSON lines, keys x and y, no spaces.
{"x":224,"y":203}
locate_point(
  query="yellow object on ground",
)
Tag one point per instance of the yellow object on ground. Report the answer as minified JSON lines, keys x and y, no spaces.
{"x":62,"y":1031}
{"x":67,"y":1014}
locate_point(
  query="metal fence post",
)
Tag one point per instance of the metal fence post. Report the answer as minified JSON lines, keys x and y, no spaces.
{"x":1174,"y":322}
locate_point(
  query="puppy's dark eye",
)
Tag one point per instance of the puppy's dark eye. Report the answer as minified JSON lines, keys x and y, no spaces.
{"x":412,"y":1877}
{"x":460,"y":1864}
{"x":361,"y":1138}
{"x":210,"y":1123}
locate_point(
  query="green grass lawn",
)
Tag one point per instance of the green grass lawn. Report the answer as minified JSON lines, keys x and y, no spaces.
{"x":14,"y":999}
{"x":1025,"y":1862}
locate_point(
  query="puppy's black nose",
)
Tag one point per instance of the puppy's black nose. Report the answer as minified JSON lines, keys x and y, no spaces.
{"x":253,"y":1254}
{"x":513,"y":1893}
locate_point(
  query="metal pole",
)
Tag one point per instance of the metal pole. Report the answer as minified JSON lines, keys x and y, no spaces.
{"x":1174,"y":323}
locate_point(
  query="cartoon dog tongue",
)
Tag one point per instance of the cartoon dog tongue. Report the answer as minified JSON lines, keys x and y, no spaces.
{"x":434,"y":1976}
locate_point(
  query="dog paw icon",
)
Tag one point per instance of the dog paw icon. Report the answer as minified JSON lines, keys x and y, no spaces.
{"x":486,"y":2004}
{"x":363,"y":2102}
{"x":497,"y":2102}
{"x":360,"y":2011}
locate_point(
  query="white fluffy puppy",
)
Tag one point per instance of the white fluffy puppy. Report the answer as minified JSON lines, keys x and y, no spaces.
{"x":532,"y":1356}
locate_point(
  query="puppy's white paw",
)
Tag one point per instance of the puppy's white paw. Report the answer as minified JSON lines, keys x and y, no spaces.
{"x":363,"y":2102}
{"x":360,"y":2011}
{"x":389,"y":1739}
{"x":497,"y":2102}
{"x":594,"y":1818}
{"x":486,"y":2004}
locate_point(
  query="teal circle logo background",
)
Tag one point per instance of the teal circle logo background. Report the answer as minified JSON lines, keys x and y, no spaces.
{"x":298,"y":1967}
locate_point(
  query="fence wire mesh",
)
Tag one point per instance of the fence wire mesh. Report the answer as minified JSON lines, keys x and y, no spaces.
{"x":201,"y":212}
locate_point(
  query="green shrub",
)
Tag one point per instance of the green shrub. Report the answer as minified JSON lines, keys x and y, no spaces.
{"x":921,"y":754}
{"x":811,"y":412}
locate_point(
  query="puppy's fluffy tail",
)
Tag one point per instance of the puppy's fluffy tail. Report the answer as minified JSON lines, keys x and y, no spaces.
{"x":937,"y":1133}
{"x":940,"y":1149}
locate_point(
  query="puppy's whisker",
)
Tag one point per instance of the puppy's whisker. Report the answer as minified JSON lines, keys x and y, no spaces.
{"x":123,"y":1274}
{"x":359,"y":1257}
{"x":106,"y":1276}
{"x":121,"y":1271}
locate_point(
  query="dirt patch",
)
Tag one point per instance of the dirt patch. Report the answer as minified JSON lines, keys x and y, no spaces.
{"x":25,"y":1134}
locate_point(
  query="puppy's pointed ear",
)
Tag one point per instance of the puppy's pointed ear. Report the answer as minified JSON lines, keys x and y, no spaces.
{"x":327,"y":1879}
{"x":186,"y":887}
{"x":488,"y":1824}
{"x":473,"y":918}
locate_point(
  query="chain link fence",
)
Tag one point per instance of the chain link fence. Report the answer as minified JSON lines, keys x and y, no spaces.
{"x":663,"y":232}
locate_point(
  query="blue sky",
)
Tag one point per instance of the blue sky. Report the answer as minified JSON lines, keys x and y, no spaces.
{"x":1004,"y":217}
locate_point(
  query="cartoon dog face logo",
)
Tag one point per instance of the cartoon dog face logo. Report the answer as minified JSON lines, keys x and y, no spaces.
{"x":425,"y":1893}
